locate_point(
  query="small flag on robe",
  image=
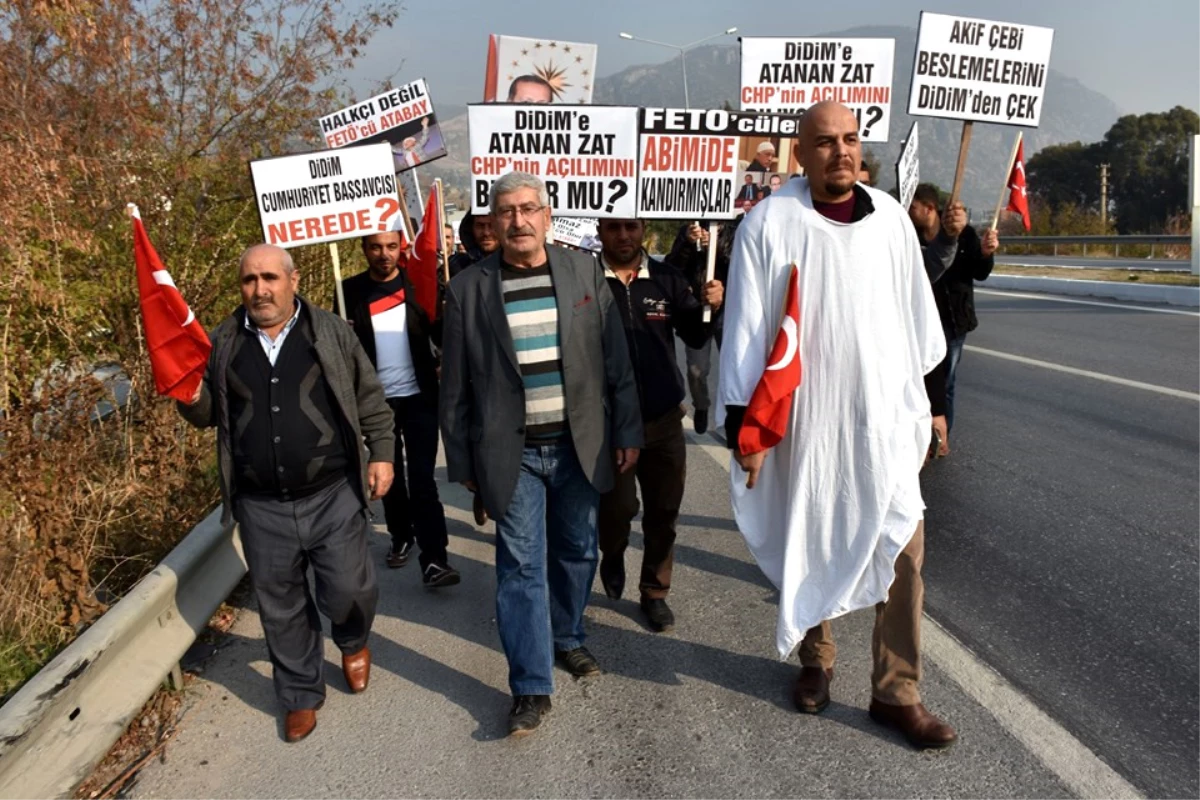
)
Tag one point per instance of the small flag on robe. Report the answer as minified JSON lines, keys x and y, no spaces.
{"x":423,"y":264}
{"x":766,"y":420}
{"x":1018,"y":200}
{"x":178,"y":345}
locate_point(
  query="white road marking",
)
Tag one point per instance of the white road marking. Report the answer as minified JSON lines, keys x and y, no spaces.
{"x":1081,"y":770}
{"x":1100,"y":376}
{"x":1057,"y":299}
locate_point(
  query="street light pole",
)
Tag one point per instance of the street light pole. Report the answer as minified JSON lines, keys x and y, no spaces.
{"x":682,"y":54}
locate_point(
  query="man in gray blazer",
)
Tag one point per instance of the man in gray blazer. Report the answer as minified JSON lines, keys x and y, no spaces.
{"x":539,"y":410}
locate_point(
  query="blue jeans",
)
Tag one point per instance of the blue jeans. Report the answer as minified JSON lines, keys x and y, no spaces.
{"x":546,"y":556}
{"x":954,"y":351}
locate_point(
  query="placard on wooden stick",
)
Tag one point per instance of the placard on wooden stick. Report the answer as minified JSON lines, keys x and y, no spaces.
{"x":978,"y":70}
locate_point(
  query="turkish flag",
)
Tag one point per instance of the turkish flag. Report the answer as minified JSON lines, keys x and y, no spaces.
{"x":424,"y":263}
{"x":766,"y":420}
{"x":178,"y":345}
{"x":1018,"y":200}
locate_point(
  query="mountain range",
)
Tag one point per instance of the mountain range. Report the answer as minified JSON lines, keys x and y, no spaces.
{"x":1071,"y":112}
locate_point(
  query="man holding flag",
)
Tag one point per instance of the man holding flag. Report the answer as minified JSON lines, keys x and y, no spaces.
{"x":954,"y":289}
{"x":830,"y":327}
{"x":304,"y":442}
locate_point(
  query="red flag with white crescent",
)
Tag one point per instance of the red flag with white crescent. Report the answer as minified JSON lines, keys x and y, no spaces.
{"x":766,"y":420}
{"x":1018,"y":199}
{"x":178,"y":345}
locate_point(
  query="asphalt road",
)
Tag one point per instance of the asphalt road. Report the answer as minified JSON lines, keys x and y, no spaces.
{"x":1062,"y":543}
{"x":1061,"y":550}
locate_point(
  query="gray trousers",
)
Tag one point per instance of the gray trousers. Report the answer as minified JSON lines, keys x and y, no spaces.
{"x":282,"y":539}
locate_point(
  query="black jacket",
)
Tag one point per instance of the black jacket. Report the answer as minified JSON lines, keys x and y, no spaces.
{"x":421,"y":332}
{"x":344,"y":366}
{"x":466,"y":235}
{"x":655,"y":307}
{"x":693,"y":263}
{"x":954,"y":291}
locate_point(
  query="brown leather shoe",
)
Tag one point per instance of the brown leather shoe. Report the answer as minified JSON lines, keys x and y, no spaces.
{"x":357,"y":669}
{"x":299,"y":723}
{"x":919,"y":726}
{"x":810,"y":693}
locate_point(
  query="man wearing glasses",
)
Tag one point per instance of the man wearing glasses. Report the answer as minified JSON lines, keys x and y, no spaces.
{"x":539,"y":411}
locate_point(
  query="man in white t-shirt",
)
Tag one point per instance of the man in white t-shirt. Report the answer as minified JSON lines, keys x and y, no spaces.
{"x":398,"y":335}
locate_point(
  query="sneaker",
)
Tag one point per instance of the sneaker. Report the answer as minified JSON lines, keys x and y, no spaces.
{"x":526,"y":713}
{"x":436,"y":575}
{"x":658,"y":615}
{"x":398,"y":556}
{"x":579,"y":662}
{"x":481,"y":515}
{"x":700,"y":420}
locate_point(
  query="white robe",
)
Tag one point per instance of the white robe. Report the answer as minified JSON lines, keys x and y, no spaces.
{"x":839,"y":498}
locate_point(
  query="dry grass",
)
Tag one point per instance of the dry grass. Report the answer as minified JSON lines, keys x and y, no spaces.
{"x":1116,"y":275}
{"x":86,"y":509}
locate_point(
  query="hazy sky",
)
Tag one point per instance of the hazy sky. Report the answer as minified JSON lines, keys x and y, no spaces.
{"x":1143,"y":55}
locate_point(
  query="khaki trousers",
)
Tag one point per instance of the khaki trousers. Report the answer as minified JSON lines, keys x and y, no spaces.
{"x":896,"y":642}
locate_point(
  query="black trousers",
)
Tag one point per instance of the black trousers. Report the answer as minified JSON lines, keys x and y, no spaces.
{"x":282,"y":539}
{"x":411,"y":507}
{"x":661,"y":470}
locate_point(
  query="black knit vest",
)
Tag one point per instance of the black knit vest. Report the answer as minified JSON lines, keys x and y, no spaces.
{"x":287,"y":435}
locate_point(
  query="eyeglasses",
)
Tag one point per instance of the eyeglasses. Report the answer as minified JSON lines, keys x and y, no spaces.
{"x":511,"y":212}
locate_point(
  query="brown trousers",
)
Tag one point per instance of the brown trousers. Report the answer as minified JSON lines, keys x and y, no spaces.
{"x":661,"y":469}
{"x":896,"y":642}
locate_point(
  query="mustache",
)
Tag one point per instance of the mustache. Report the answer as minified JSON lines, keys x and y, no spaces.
{"x":525,"y":230}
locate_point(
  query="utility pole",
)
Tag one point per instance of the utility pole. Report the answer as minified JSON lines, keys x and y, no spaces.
{"x":1104,"y":198}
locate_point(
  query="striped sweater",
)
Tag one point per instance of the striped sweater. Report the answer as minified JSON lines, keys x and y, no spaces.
{"x":532,"y":315}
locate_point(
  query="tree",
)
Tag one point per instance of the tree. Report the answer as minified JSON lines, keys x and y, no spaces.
{"x":1148,"y":157}
{"x":101,"y":103}
{"x":1066,"y":174}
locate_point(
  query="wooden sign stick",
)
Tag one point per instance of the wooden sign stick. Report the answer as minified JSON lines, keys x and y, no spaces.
{"x":710,"y":270}
{"x":963,"y":147}
{"x":337,"y":278}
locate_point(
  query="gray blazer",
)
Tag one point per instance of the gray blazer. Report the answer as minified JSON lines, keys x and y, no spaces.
{"x":482,"y":404}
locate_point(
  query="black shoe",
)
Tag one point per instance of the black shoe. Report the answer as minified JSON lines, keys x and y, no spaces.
{"x":481,"y":515}
{"x":436,"y":575}
{"x":579,"y":662}
{"x":612,"y":576}
{"x":700,"y":420}
{"x":659,"y":615}
{"x":526,"y":713}
{"x":398,"y":556}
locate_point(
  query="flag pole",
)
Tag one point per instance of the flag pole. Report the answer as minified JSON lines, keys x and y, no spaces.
{"x":710,"y":269}
{"x":337,"y":278}
{"x":1012,"y":158}
{"x":441,"y":213}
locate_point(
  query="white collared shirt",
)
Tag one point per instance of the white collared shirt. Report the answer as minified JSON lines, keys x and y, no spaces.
{"x":271,"y":347}
{"x":643,"y":266}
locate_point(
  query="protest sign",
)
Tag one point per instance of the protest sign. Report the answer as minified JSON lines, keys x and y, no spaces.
{"x":587,"y":155}
{"x":978,"y":70}
{"x":326,"y":196}
{"x":581,"y":232}
{"x":908,"y":169}
{"x":788,"y":75}
{"x":527,"y":70}
{"x":705,"y":164}
{"x":403,"y":117}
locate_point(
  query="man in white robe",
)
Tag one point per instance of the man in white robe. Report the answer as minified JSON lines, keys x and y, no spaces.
{"x":833,"y":514}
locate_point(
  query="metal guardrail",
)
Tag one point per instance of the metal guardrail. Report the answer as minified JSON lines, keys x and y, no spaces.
{"x":65,"y":719}
{"x":1154,"y":240}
